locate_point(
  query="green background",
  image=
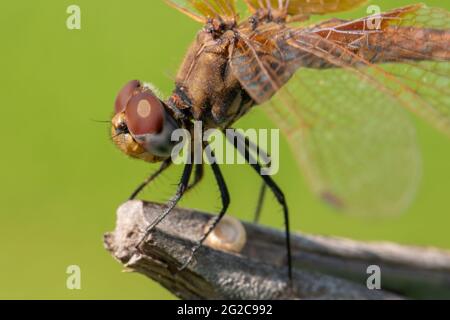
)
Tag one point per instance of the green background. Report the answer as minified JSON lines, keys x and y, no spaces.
{"x":62,"y":179}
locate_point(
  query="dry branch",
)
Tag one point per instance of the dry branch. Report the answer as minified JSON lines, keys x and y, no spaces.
{"x":325,"y":267}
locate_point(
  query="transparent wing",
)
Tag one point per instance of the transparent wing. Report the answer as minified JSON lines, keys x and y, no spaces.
{"x":343,"y":112}
{"x":202,"y":10}
{"x":297,"y":7}
{"x":411,"y":47}
{"x":355,"y":144}
{"x":407,"y":50}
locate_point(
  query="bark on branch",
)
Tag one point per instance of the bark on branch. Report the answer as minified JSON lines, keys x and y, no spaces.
{"x":325,"y":267}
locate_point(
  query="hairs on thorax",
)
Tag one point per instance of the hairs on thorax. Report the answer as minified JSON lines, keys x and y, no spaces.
{"x":154,"y":89}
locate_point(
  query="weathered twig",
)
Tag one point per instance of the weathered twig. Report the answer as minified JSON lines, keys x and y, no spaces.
{"x":325,"y":268}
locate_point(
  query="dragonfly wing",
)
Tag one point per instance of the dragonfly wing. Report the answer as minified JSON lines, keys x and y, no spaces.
{"x":410,"y":47}
{"x":355,"y":145}
{"x":407,"y":54}
{"x":259,"y":64}
{"x":202,"y":10}
{"x":298,"y":7}
{"x":343,"y":110}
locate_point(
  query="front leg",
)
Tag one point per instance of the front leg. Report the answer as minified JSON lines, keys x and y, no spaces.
{"x":225,"y":196}
{"x":182,"y":187}
{"x":166,"y":164}
{"x":198,"y":176}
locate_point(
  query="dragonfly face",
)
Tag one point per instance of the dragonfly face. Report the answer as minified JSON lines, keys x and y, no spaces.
{"x":142,"y":125}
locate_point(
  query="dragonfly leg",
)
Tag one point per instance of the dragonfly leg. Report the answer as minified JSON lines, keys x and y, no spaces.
{"x":260,"y":203}
{"x":265,"y":157}
{"x":279,"y":195}
{"x":182,"y":187}
{"x":198,"y":176}
{"x":225,"y":196}
{"x":152,"y":177}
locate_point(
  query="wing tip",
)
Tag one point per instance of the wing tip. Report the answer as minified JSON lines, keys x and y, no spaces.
{"x":186,"y":11}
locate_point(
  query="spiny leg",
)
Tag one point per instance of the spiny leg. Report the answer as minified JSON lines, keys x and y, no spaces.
{"x":182,"y":186}
{"x":250,"y":145}
{"x":225,"y":196}
{"x":198,"y":176}
{"x":260,"y":203}
{"x":265,"y":157}
{"x":279,"y":195}
{"x":276,"y":191}
{"x":152,"y":177}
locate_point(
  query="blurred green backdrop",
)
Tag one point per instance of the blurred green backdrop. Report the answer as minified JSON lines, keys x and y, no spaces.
{"x":62,"y":179}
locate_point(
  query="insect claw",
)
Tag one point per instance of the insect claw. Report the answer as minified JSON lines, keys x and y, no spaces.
{"x":184,"y":266}
{"x":138,"y":248}
{"x":189,"y":260}
{"x":138,"y":245}
{"x":144,"y":237}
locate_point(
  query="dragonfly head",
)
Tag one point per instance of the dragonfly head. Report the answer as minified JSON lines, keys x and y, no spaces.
{"x":142,"y":126}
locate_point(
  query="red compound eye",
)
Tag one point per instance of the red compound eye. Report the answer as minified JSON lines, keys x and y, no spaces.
{"x":145,"y":114}
{"x":125,"y":95}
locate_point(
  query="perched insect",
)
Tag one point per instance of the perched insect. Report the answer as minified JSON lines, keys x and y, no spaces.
{"x":338,"y":90}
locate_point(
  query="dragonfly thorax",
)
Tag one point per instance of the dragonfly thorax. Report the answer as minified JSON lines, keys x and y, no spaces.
{"x":206,"y":89}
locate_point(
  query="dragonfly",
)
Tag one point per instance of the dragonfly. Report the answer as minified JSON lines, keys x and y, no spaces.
{"x":340,"y":91}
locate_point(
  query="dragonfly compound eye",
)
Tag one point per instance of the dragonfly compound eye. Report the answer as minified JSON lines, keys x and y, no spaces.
{"x":150,"y":123}
{"x":125,"y":95}
{"x":229,"y":235}
{"x":145,"y":114}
